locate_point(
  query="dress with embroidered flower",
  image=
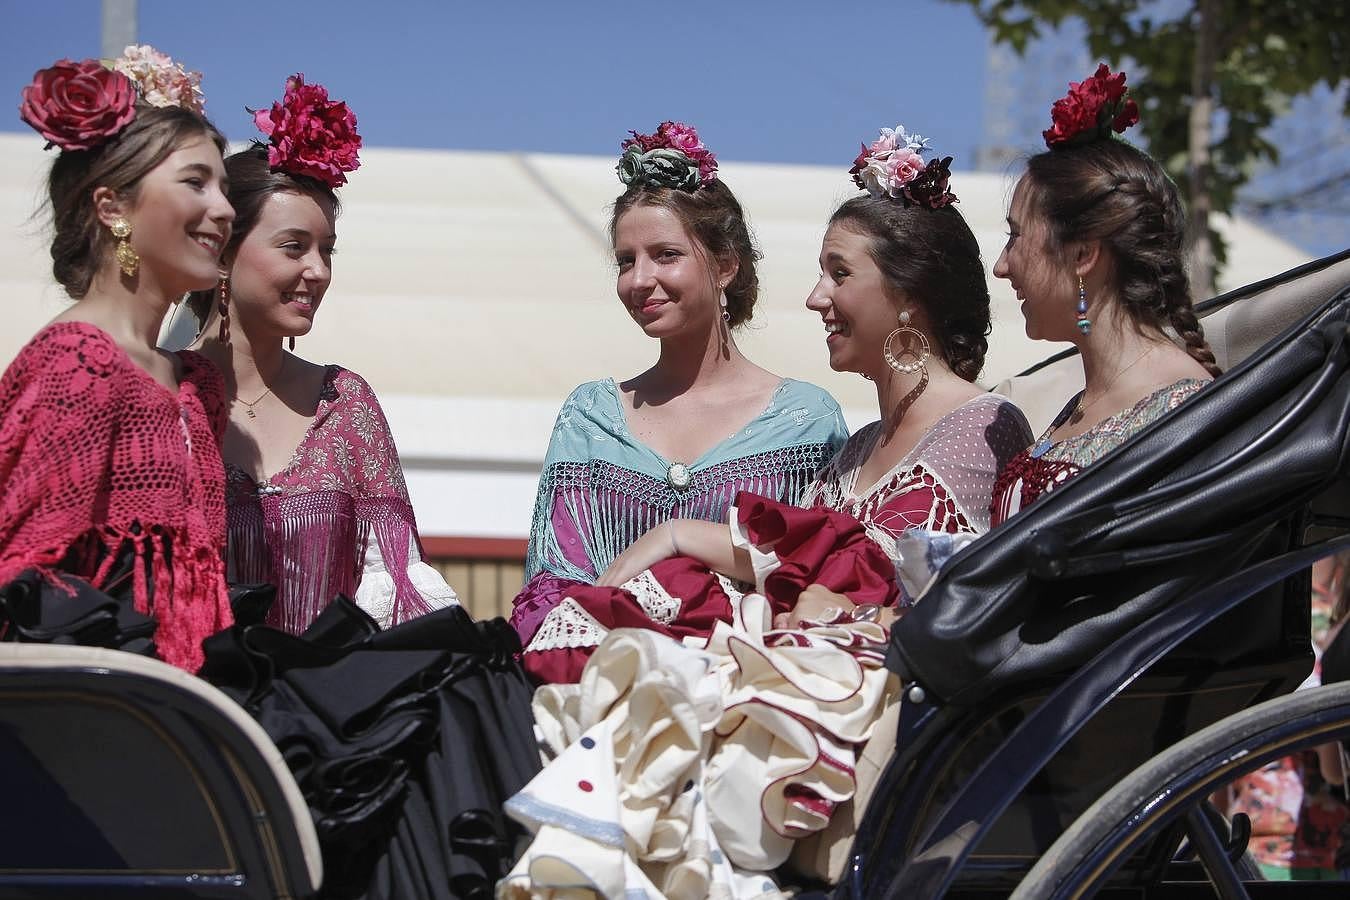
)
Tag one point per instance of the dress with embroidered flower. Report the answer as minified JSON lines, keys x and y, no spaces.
{"x":336,"y":520}
{"x":1045,"y":465}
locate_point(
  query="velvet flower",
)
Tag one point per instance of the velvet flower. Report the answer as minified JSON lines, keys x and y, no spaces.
{"x":78,"y":105}
{"x":672,"y":157}
{"x":308,"y":134}
{"x":1094,"y":108}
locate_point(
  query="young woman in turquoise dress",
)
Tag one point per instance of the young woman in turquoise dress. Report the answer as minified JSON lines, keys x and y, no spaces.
{"x":682,"y":438}
{"x":1095,"y":253}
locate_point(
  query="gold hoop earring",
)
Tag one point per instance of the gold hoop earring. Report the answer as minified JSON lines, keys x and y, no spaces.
{"x":919,"y":354}
{"x":127,"y":259}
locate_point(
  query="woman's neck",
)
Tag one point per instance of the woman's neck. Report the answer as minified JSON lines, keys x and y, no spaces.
{"x":251,"y":363}
{"x":1112,"y":354}
{"x":131,"y":316}
{"x":700,"y":360}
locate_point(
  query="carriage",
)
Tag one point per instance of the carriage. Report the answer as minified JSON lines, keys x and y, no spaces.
{"x":1076,"y":683}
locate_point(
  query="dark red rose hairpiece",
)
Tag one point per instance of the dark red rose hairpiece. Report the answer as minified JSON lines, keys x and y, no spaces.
{"x":308,"y":134}
{"x":1093,"y":109}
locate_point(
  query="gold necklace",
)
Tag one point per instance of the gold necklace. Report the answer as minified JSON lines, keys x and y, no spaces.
{"x":249,"y":411}
{"x":1082,"y":407}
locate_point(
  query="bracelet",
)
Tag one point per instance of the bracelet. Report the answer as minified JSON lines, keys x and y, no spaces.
{"x":867,"y":612}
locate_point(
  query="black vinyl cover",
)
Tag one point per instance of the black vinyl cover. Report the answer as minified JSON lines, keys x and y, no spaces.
{"x":999,"y":614}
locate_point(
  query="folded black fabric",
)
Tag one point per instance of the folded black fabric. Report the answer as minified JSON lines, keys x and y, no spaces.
{"x":404,"y":742}
{"x":63,"y":609}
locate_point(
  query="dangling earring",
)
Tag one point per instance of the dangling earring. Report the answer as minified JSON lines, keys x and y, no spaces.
{"x":1084,"y":323}
{"x":127,"y":259}
{"x":223,"y":307}
{"x":919,"y":353}
{"x":726,"y":316}
{"x":291,"y":341}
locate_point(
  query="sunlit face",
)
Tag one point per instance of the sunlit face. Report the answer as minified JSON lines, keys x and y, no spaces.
{"x":1045,"y":286}
{"x":852,"y":300}
{"x":180,"y":220}
{"x":665,"y":280}
{"x":283,"y":266}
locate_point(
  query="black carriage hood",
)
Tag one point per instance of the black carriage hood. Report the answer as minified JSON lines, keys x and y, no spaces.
{"x":1023,"y":603}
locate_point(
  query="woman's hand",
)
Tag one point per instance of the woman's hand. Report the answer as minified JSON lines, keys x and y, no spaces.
{"x":645,"y":552}
{"x":817,"y":603}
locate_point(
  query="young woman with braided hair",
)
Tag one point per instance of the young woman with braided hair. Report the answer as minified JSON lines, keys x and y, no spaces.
{"x":1095,"y":253}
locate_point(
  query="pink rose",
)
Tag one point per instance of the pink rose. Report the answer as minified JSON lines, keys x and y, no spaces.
{"x":681,"y":137}
{"x":884,"y":143}
{"x":77,"y":106}
{"x":903,"y":166}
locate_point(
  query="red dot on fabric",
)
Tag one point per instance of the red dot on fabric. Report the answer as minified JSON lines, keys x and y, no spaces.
{"x":585,"y":786}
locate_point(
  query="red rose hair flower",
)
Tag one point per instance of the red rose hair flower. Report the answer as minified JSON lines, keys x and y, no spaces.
{"x":78,"y":105}
{"x":308,"y":134}
{"x":1093,"y":108}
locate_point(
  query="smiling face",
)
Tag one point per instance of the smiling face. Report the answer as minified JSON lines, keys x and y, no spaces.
{"x":283,"y":265}
{"x":1046,"y":287}
{"x":853,"y":302}
{"x":665,"y":280}
{"x":180,"y":218}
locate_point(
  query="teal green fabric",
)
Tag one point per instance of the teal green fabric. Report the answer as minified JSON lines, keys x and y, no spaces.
{"x":601,"y":488}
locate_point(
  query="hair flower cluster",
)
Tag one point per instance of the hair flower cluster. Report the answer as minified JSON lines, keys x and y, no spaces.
{"x":79,"y":105}
{"x":893,"y":166}
{"x":159,"y":80}
{"x":308,"y":134}
{"x":1093,"y":109}
{"x":672,"y":157}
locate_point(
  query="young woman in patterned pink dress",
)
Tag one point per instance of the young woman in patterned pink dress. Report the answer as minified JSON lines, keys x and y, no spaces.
{"x":316,"y":497}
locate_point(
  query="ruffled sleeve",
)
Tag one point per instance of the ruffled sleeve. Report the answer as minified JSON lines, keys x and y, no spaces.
{"x":395,"y":584}
{"x":792,"y":548}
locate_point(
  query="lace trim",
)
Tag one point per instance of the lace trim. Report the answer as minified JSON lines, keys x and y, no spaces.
{"x":567,"y":627}
{"x":654,"y":599}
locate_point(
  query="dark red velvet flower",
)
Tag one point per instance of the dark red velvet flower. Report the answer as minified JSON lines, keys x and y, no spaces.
{"x":78,"y":105}
{"x":929,"y":187}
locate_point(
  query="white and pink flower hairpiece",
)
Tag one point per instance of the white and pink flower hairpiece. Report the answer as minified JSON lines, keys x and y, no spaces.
{"x":893,"y":166}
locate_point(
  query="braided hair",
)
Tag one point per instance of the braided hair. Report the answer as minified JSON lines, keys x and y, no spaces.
{"x":1111,"y":192}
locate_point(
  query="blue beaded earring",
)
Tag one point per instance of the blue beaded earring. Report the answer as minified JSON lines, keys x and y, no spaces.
{"x":1084,"y":323}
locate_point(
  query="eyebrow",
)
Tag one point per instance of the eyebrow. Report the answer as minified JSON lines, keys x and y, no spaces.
{"x":300,"y":232}
{"x":834,"y":255}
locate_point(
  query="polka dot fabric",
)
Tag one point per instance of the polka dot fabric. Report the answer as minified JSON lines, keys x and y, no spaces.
{"x":96,"y":457}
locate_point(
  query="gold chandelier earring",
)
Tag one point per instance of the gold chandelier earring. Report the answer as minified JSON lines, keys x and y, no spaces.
{"x":914,"y":348}
{"x":127,"y":258}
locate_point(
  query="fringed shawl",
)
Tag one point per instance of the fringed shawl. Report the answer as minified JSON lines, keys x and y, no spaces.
{"x":602,"y":488}
{"x":97,"y":459}
{"x":313,"y":527}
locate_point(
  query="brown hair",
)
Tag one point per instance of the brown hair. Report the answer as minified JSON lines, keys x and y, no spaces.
{"x":79,"y":240}
{"x":713,"y":216}
{"x":1111,"y":192}
{"x":252,"y":181}
{"x":931,"y":256}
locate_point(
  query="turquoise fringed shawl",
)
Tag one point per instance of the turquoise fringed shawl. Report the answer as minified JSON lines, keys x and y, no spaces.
{"x":601,"y":488}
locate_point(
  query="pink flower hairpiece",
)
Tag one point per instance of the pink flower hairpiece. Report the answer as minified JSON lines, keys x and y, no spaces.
{"x":893,"y":166}
{"x":80,"y":105}
{"x":1093,"y":109}
{"x":672,"y":157}
{"x":308,"y":134}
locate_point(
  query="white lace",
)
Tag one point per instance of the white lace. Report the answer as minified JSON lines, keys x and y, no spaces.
{"x":567,"y":627}
{"x":654,"y":599}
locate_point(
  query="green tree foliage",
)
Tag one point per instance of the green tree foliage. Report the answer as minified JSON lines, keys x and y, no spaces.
{"x":1266,"y":53}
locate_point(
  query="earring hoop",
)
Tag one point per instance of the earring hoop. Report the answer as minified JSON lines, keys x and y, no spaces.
{"x":127,"y":258}
{"x":917,"y":355}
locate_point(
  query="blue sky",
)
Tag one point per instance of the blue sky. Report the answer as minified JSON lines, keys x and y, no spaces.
{"x":784,"y":81}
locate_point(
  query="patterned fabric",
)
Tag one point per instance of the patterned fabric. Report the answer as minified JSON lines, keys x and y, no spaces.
{"x":934,"y":500}
{"x":602,"y":489}
{"x":683,"y":772}
{"x":98,"y":459}
{"x":1046,"y":465}
{"x":336,"y":520}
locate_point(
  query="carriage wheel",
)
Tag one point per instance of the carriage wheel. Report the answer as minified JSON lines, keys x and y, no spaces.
{"x":1173,"y":785}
